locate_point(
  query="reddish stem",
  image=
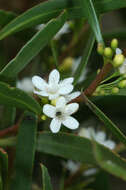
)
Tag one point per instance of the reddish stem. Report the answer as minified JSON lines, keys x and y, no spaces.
{"x":92,"y":87}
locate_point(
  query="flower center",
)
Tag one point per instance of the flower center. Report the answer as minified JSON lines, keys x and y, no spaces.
{"x":52,"y":89}
{"x":58,"y":113}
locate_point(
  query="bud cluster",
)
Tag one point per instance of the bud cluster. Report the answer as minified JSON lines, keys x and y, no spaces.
{"x":109,"y":53}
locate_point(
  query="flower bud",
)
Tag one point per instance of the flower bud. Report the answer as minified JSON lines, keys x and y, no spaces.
{"x":122,"y":84}
{"x":118,"y":60}
{"x":43,"y":117}
{"x":53,"y":102}
{"x":108,"y":52}
{"x":44,"y":100}
{"x":114,"y":43}
{"x":67,"y":64}
{"x":115,"y":90}
{"x":100,"y":49}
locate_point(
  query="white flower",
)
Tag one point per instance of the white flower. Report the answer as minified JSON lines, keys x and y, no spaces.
{"x":71,"y":166}
{"x":122,"y":68}
{"x":60,"y":114}
{"x":25,"y":84}
{"x":54,"y":88}
{"x":99,"y":136}
{"x":72,"y":96}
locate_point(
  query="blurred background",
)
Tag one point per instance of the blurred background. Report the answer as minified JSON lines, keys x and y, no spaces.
{"x":70,"y":45}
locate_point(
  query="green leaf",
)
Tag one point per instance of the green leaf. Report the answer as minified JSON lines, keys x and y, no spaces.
{"x":11,"y":96}
{"x":8,"y":116}
{"x":77,"y":148}
{"x":89,"y":9}
{"x":108,"y":123}
{"x":113,"y":165}
{"x":4,"y":167}
{"x":33,"y":47}
{"x":6,"y":17}
{"x":25,"y":152}
{"x":45,"y":11}
{"x":45,"y":178}
{"x":87,"y":52}
{"x":104,"y":6}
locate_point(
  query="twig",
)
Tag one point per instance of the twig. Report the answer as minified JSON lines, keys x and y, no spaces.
{"x":92,"y":87}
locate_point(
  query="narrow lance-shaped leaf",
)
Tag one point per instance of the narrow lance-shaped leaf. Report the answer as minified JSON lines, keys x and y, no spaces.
{"x":6,"y":17}
{"x":108,"y":123}
{"x":45,"y":178}
{"x":87,"y":52}
{"x":3,"y":168}
{"x":89,"y":9}
{"x":25,"y":152}
{"x":33,"y":47}
{"x":11,"y":96}
{"x":78,"y":148}
{"x":45,"y":11}
{"x":113,"y":165}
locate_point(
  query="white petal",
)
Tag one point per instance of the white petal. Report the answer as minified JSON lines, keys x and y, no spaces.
{"x":122,"y":68}
{"x":100,"y":136}
{"x":66,"y":89}
{"x":118,"y":51}
{"x":55,"y":125}
{"x":54,"y":77}
{"x":49,"y":110}
{"x":61,"y":102}
{"x":38,"y":82}
{"x":71,"y":123}
{"x":67,"y":81}
{"x":41,"y":93}
{"x":85,"y":133}
{"x":71,"y":108}
{"x":53,"y":96}
{"x":71,"y":96}
{"x":110,"y":144}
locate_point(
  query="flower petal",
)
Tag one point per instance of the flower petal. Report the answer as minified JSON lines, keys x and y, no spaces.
{"x":49,"y":110}
{"x":71,"y":96}
{"x":71,"y":123}
{"x":54,"y":77}
{"x":110,"y":144}
{"x":38,"y":82}
{"x":60,"y":103}
{"x":41,"y":93}
{"x":71,"y":108}
{"x":118,"y":51}
{"x":53,"y":96}
{"x":66,"y":89}
{"x":100,"y":136}
{"x":67,"y":81}
{"x":55,"y":125}
{"x":122,"y":68}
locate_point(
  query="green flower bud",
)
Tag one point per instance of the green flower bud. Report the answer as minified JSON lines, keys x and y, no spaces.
{"x":43,"y":117}
{"x":44,"y":101}
{"x":118,"y":60}
{"x":114,"y":43}
{"x":115,"y":90}
{"x":100,"y":49}
{"x":122,"y":84}
{"x":67,"y":64}
{"x":108,"y":52}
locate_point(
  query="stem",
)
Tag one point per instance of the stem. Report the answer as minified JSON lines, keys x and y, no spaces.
{"x":92,"y":87}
